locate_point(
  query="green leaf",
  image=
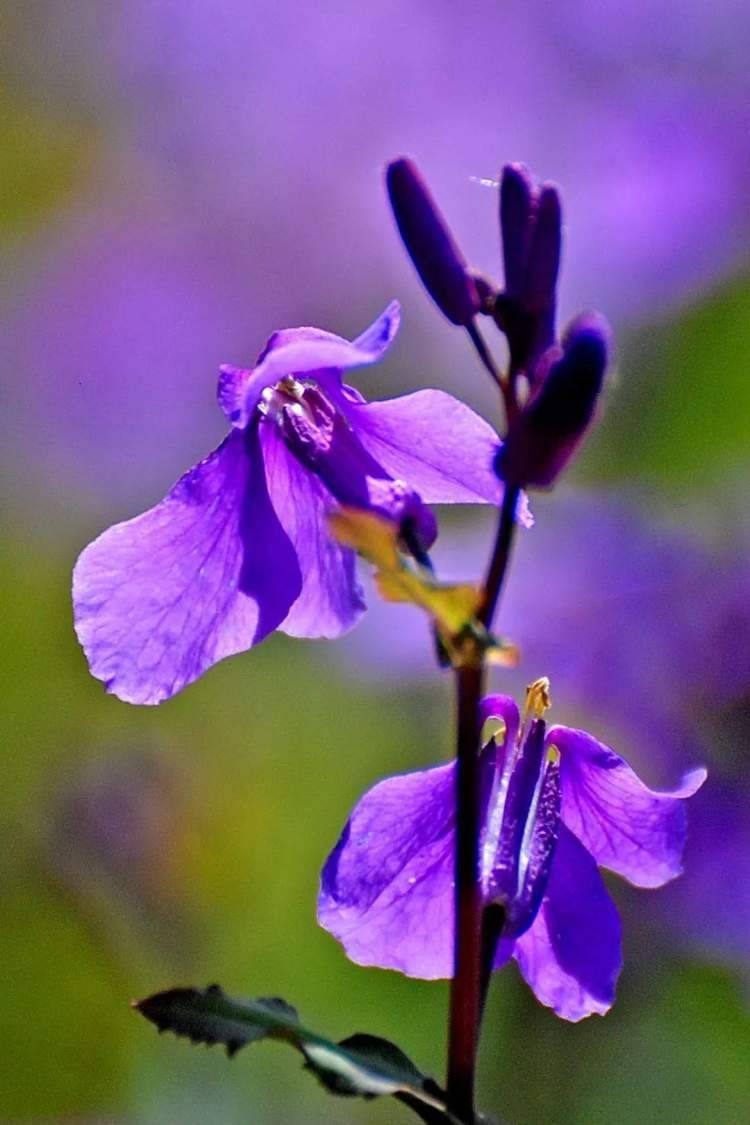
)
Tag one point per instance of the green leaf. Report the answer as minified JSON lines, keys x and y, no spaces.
{"x":211,"y":1017}
{"x":362,"y":1065}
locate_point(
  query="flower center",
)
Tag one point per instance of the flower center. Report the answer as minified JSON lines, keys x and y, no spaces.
{"x":286,"y":394}
{"x":320,"y":437}
{"x":523,"y":818}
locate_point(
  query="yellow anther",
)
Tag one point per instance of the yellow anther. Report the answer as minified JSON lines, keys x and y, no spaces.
{"x":553,"y":755}
{"x":538,"y":700}
{"x":291,"y":386}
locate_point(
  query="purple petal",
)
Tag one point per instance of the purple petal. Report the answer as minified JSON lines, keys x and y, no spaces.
{"x":378,"y":337}
{"x":435,"y":443}
{"x":508,"y":814}
{"x":271,"y":570}
{"x":331,"y":599}
{"x":321,"y":440}
{"x":501,"y":707}
{"x":521,"y":816}
{"x":302,"y":351}
{"x":627,"y":827}
{"x":386,"y":889}
{"x":493,"y":757}
{"x":162,"y":597}
{"x":571,"y":957}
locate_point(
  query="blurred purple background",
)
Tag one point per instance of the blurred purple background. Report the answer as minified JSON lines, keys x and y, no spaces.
{"x":179,"y":180}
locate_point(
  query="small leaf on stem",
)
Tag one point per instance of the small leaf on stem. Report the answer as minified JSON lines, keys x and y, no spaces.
{"x":452,"y":606}
{"x":361,"y":1065}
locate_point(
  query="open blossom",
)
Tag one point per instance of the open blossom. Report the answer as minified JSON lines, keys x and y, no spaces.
{"x":240,"y":545}
{"x":557,"y":804}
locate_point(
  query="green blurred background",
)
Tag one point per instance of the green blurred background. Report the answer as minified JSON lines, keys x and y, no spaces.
{"x":179,"y":180}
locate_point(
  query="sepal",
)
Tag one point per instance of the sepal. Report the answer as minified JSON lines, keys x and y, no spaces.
{"x":452,"y":606}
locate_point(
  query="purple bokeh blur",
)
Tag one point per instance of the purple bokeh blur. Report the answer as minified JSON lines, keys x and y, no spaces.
{"x":179,"y":180}
{"x":235,"y":141}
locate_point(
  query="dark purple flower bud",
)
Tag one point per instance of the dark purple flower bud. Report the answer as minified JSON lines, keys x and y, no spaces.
{"x":531,"y":225}
{"x":543,"y":262}
{"x":431,"y":246}
{"x":554,"y":420}
{"x":517,"y":204}
{"x":321,"y":439}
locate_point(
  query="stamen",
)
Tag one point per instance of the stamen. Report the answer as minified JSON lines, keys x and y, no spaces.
{"x":278,"y":397}
{"x":538,"y":700}
{"x":551,"y":762}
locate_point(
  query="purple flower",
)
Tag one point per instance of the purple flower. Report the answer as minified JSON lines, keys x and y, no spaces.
{"x":240,"y":545}
{"x":557,"y":804}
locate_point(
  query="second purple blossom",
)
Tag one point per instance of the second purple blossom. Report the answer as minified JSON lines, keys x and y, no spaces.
{"x":557,"y":804}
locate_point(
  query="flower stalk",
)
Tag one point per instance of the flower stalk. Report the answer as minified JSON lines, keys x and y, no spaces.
{"x":474,"y":941}
{"x":464,"y":1015}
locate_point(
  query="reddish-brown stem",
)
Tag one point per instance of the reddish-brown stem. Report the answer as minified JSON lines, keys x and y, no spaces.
{"x":471,"y":952}
{"x":501,"y":553}
{"x":463,"y":1031}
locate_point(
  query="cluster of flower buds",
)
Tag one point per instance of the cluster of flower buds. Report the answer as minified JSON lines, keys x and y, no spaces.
{"x":552,"y":388}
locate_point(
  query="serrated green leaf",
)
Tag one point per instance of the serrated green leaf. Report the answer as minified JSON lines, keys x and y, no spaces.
{"x":361,"y":1065}
{"x":212,"y":1017}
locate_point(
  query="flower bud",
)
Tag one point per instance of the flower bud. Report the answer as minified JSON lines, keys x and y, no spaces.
{"x":551,"y":425}
{"x":517,"y":203}
{"x":531,"y":226}
{"x":543,"y":264}
{"x":431,"y":246}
